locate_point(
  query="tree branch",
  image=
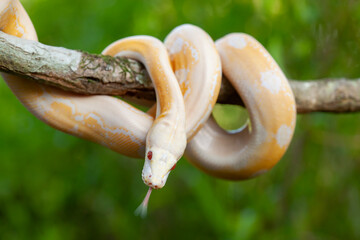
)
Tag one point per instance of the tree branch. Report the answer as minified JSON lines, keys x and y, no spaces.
{"x":85,"y":73}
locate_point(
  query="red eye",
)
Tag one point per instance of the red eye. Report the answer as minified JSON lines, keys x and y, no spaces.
{"x":173,"y":167}
{"x":149,"y":155}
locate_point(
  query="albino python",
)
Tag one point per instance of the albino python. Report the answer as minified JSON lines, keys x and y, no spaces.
{"x":186,"y":73}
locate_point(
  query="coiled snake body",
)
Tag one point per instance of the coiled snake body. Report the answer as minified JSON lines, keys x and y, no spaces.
{"x":186,"y":73}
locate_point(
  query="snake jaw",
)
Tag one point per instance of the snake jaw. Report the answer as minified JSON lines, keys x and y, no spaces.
{"x":157,"y":169}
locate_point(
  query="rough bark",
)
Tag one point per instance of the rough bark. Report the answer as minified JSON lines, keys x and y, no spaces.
{"x":85,"y":73}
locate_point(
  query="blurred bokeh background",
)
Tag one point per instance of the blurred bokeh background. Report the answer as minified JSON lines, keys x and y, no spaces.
{"x":55,"y":186}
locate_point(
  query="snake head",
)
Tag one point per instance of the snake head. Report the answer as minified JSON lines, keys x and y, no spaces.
{"x":157,"y":167}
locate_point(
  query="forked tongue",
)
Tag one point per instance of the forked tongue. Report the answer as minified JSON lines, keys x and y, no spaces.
{"x":142,"y":209}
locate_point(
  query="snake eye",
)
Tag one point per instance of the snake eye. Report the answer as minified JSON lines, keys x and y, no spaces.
{"x":173,"y":167}
{"x":149,"y":155}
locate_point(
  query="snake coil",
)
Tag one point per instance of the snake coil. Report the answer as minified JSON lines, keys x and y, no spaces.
{"x":186,"y":71}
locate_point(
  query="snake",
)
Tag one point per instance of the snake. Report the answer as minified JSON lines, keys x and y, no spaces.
{"x":186,"y":71}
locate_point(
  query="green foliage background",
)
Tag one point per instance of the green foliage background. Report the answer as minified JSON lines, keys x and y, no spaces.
{"x":55,"y":186}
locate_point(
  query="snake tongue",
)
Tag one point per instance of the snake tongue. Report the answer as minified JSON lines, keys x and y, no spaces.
{"x":142,"y":209}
